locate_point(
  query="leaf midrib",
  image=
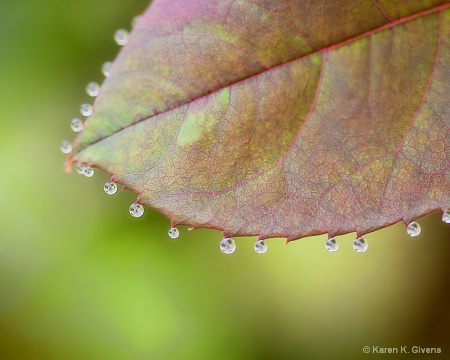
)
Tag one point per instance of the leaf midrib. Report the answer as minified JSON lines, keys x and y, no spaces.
{"x":325,"y":49}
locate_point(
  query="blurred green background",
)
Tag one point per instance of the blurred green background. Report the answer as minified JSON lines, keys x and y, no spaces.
{"x":81,"y":279}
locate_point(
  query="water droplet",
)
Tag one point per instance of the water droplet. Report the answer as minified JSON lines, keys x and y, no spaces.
{"x":136,"y":210}
{"x":228,"y":246}
{"x":80,"y":169}
{"x":446,"y":216}
{"x":260,"y":247}
{"x":331,"y":245}
{"x":106,"y":68}
{"x":86,"y":109}
{"x":93,"y":89}
{"x":76,"y":125}
{"x":110,"y":188}
{"x":360,"y":245}
{"x":173,"y":233}
{"x":413,"y":229}
{"x":66,"y":147}
{"x":121,"y":37}
{"x":88,"y":171}
{"x":135,"y":21}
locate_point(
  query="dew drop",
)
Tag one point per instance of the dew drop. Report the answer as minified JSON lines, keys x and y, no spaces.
{"x":106,"y":68}
{"x":110,"y":188}
{"x":360,"y":245}
{"x":80,"y":169}
{"x":331,"y":245}
{"x":136,"y":210}
{"x":121,"y":37}
{"x":228,"y":246}
{"x":88,"y":171}
{"x":173,"y":233}
{"x":135,"y":21}
{"x":260,"y":247}
{"x":93,"y":89}
{"x":76,"y":125}
{"x":86,"y":109}
{"x":66,"y":147}
{"x":413,"y":229}
{"x":446,"y":216}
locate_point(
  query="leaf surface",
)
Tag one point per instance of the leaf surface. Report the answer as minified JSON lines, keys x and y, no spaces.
{"x":280,"y":118}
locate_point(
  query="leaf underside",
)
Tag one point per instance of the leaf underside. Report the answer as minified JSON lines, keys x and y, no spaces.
{"x":280,"y":118}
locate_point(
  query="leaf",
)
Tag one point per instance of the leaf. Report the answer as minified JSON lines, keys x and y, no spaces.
{"x":280,"y":118}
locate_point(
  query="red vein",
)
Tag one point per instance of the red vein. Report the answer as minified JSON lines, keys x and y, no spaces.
{"x":416,"y":114}
{"x":430,"y":81}
{"x":326,"y":49}
{"x":311,"y":109}
{"x":383,"y":11}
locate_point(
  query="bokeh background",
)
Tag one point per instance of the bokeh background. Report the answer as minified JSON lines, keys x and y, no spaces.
{"x":81,"y":279}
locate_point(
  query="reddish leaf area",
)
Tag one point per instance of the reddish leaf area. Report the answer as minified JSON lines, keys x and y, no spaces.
{"x":280,"y":118}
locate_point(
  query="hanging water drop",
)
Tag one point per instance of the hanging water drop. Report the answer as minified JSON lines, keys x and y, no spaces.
{"x":110,"y":188}
{"x":260,"y":247}
{"x":136,"y":210}
{"x":331,"y":245}
{"x":86,"y":109}
{"x":121,"y":37}
{"x":80,"y":169}
{"x":93,"y":89}
{"x":66,"y":147}
{"x":88,"y":171}
{"x":360,"y":245}
{"x":173,"y":233}
{"x":76,"y":125}
{"x":228,"y":246}
{"x":413,"y":229}
{"x":106,"y":68}
{"x":446,"y":216}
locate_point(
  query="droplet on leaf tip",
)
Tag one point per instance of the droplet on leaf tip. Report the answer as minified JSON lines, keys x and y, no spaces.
{"x":88,"y":171}
{"x":136,"y":210}
{"x":446,"y":216}
{"x":80,"y":168}
{"x":110,"y":188}
{"x":106,"y":68}
{"x":86,"y":109}
{"x":360,"y":245}
{"x":228,"y":246}
{"x":121,"y":37}
{"x":93,"y":89}
{"x":260,"y":247}
{"x":331,"y":245}
{"x":66,"y":147}
{"x":76,"y":125}
{"x":413,"y":229}
{"x":173,"y":233}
